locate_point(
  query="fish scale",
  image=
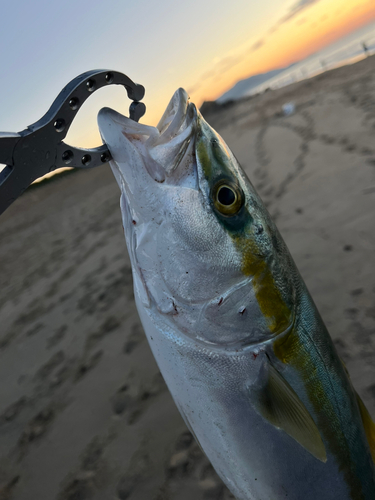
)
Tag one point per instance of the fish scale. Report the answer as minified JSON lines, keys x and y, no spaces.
{"x":234,"y":331}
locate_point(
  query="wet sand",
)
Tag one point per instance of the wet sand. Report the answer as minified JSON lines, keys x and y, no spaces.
{"x":84,"y":412}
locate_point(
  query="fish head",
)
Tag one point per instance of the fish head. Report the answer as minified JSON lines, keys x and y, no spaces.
{"x":204,"y":251}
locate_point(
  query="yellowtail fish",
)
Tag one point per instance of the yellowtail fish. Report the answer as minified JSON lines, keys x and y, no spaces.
{"x":235,"y":333}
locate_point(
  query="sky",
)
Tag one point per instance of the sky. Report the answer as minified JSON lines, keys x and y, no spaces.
{"x":204,"y":46}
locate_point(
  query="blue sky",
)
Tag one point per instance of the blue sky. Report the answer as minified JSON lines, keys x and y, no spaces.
{"x":201,"y":45}
{"x":159,"y":44}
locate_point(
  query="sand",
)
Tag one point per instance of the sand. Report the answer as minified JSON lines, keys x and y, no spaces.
{"x":84,"y":412}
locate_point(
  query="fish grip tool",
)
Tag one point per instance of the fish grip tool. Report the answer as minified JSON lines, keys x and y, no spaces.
{"x":40,"y":148}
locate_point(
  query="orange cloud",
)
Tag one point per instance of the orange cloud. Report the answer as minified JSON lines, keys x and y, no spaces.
{"x":296,"y":9}
{"x":312,"y":28}
{"x":292,"y":39}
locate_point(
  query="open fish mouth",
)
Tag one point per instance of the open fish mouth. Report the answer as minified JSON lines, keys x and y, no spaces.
{"x":161,"y":148}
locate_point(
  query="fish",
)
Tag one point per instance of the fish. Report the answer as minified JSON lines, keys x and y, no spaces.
{"x":235,"y":333}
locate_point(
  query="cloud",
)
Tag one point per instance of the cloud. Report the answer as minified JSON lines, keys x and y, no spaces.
{"x":257,"y":45}
{"x":302,"y":3}
{"x":228,"y":62}
{"x":296,"y":9}
{"x":273,"y":29}
{"x":193,"y":88}
{"x":303,"y":20}
{"x":221,"y":66}
{"x":215,"y":72}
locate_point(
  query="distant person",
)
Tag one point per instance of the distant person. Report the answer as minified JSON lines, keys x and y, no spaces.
{"x":365,"y":48}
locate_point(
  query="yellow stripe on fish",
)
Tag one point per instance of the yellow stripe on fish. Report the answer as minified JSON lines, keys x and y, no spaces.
{"x":273,"y":307}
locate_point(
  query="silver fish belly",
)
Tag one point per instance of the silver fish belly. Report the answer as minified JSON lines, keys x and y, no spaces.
{"x":235,"y":333}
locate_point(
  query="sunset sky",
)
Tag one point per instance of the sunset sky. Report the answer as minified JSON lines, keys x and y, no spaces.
{"x":202,"y":45}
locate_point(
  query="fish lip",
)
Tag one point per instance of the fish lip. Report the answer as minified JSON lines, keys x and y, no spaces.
{"x":177,"y":108}
{"x":186,"y":137}
{"x":162,"y":148}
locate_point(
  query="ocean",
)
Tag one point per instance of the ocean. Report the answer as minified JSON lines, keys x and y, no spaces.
{"x":349,"y":49}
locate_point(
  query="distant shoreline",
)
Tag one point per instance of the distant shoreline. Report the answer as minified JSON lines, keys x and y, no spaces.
{"x":347,"y":50}
{"x":209,"y":107}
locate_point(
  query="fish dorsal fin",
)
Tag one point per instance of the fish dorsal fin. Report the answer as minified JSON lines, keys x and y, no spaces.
{"x":278,"y":403}
{"x":368,"y":424}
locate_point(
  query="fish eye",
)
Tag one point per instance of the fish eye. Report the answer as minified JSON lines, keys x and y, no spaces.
{"x":227,"y":197}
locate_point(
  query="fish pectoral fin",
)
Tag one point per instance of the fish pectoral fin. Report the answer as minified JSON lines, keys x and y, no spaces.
{"x":278,"y":403}
{"x":368,"y":424}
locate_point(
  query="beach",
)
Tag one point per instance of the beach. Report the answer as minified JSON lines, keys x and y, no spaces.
{"x":84,"y":411}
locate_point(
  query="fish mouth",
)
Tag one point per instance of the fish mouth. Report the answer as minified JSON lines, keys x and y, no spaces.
{"x":178,"y":113}
{"x":162,"y":149}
